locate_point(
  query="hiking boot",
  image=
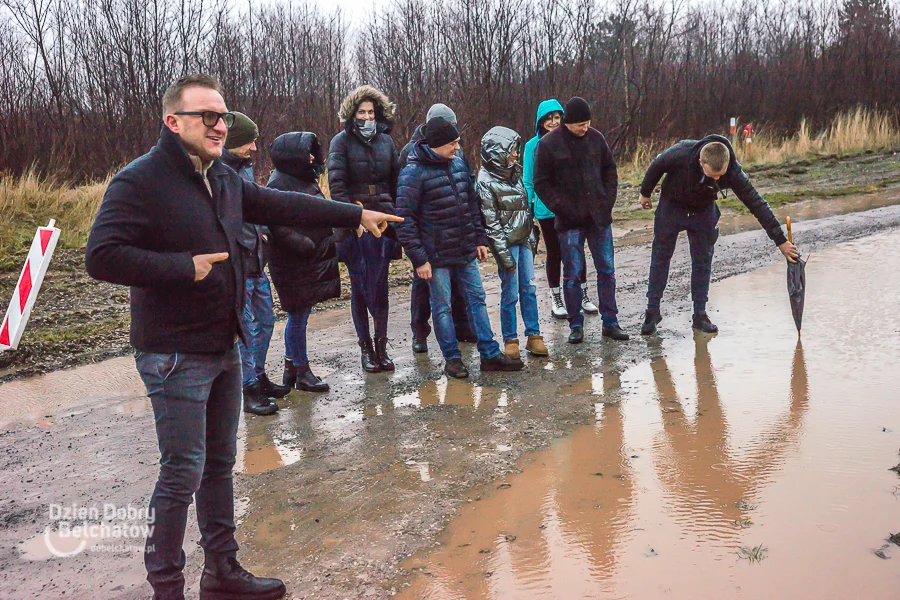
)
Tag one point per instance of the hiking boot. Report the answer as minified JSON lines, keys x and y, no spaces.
{"x":702,"y":323}
{"x":586,"y":305}
{"x":614,"y":332}
{"x":511,"y":349}
{"x":559,"y":307}
{"x":536,"y":346}
{"x":576,"y":335}
{"x":290,"y":373}
{"x":308,"y":382}
{"x":456,"y":369}
{"x":420,"y":345}
{"x":501,"y":362}
{"x":381,"y":356}
{"x":367,"y":357}
{"x":255,"y":403}
{"x":272,"y":390}
{"x":225,"y":579}
{"x":652,"y":318}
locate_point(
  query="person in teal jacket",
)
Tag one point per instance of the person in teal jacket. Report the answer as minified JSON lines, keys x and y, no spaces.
{"x":549,"y":117}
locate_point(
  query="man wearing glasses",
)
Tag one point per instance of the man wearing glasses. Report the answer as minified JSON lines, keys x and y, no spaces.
{"x":168,"y":227}
{"x":697,"y":173}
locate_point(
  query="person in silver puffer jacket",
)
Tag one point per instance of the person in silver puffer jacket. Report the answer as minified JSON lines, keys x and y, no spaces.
{"x":509,"y":224}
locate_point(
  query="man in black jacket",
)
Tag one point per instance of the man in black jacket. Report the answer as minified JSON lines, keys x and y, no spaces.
{"x":697,"y":172}
{"x":168,"y":227}
{"x":259,"y":309}
{"x":575,"y":176}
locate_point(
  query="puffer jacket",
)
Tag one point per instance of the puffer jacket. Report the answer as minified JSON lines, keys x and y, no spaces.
{"x":303,"y":261}
{"x":685,"y":184}
{"x":252,"y":239}
{"x":442,"y":219}
{"x":544,"y":108}
{"x":504,"y":202}
{"x":359,"y":170}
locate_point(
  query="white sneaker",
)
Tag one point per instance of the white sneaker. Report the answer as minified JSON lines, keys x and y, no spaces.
{"x":586,"y":304}
{"x":559,"y":307}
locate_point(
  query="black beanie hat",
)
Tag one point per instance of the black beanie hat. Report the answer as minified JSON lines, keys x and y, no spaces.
{"x":577,"y":111}
{"x":440,"y":132}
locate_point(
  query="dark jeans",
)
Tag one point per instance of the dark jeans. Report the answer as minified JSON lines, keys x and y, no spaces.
{"x":368,"y":259}
{"x":600,"y":241}
{"x":196,"y":401}
{"x":469,"y":279}
{"x":259,"y":322}
{"x":702,"y":231}
{"x":420,"y":309}
{"x":295,"y":336}
{"x":554,"y":256}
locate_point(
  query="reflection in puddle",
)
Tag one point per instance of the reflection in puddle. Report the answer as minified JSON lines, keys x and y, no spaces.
{"x":715,"y":447}
{"x":444,"y":391}
{"x":262,"y":451}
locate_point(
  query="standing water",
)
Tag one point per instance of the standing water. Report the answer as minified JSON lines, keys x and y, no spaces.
{"x":745,"y":465}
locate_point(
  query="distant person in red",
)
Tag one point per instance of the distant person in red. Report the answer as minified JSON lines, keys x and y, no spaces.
{"x":697,"y":172}
{"x":168,"y":227}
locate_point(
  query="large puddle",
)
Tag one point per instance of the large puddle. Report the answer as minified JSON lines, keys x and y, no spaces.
{"x":747,"y":465}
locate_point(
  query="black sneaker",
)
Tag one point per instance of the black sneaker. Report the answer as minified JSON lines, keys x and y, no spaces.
{"x":652,"y":318}
{"x":576,"y":335}
{"x":420,"y":345}
{"x":272,"y":390}
{"x":456,"y":369}
{"x":501,"y":362}
{"x":702,"y":323}
{"x":225,"y":579}
{"x":614,"y":332}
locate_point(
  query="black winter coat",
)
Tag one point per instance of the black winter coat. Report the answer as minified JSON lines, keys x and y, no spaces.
{"x":157,"y":213}
{"x":576,"y":177}
{"x":253,"y":237}
{"x":302,"y":260}
{"x":364,"y":171}
{"x":441,"y":210}
{"x":685,"y":184}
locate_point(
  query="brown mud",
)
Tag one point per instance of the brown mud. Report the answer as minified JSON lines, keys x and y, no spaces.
{"x":337,"y":491}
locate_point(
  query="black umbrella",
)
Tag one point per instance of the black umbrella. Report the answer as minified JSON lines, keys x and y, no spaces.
{"x":796,"y":283}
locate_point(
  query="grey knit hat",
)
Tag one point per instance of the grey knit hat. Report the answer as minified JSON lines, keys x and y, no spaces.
{"x":443,"y":111}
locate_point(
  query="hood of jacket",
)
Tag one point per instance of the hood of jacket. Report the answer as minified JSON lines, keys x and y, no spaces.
{"x":423,"y":154}
{"x":545,"y":108}
{"x":384,"y":108}
{"x":290,"y":154}
{"x":496,"y":146}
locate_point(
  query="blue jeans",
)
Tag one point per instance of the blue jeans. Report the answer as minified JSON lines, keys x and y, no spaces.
{"x":368,"y":259}
{"x":702,"y":231}
{"x":420,"y":309}
{"x":196,"y":402}
{"x":517,"y":286}
{"x":259,"y":322}
{"x":295,"y":336}
{"x":470,"y":281}
{"x":600,"y":241}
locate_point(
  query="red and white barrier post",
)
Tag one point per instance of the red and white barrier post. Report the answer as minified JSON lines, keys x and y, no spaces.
{"x":28,"y":287}
{"x":733,"y":126}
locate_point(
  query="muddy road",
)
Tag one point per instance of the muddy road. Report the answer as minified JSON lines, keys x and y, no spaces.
{"x":714,"y":454}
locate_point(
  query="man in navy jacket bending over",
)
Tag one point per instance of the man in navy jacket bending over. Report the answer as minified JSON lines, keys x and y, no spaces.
{"x":168,"y":227}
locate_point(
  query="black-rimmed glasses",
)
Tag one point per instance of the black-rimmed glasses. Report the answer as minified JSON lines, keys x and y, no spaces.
{"x":210,"y":117}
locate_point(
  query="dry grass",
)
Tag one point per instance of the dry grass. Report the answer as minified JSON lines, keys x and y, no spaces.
{"x":29,"y":201}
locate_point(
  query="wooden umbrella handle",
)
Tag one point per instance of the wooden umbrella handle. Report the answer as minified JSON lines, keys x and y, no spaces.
{"x":790,"y":233}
